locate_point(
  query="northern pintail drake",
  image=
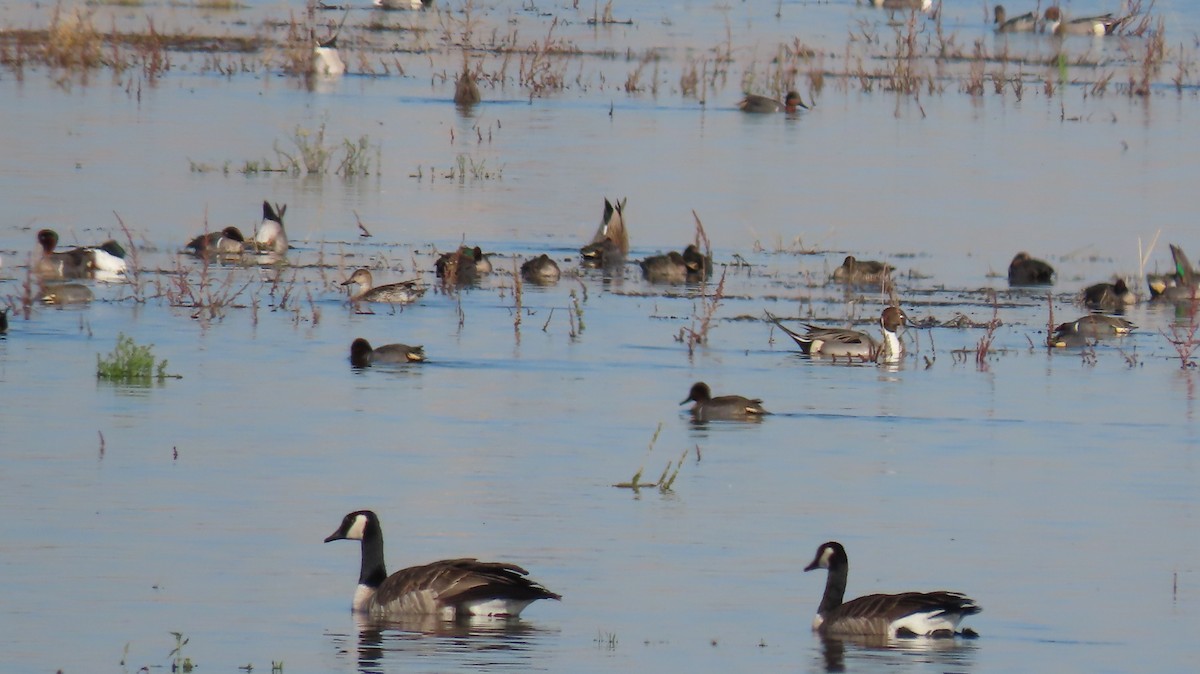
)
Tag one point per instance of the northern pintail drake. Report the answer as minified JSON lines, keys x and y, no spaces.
{"x":1025,"y":23}
{"x":862,"y":272}
{"x":450,"y":589}
{"x":463,"y":266}
{"x":905,"y":615}
{"x":66,"y":293}
{"x":1089,"y":328}
{"x":669,"y":268}
{"x":405,"y":292}
{"x":610,"y":245}
{"x":402,"y":4}
{"x":722,"y":408}
{"x":271,"y":238}
{"x":228,"y":241}
{"x":753,"y":103}
{"x":852,"y":344}
{"x":541,"y":270}
{"x":326,"y":60}
{"x":362,"y":355}
{"x":106,"y":260}
{"x":1028,"y":271}
{"x":1103,"y":24}
{"x":1114,"y":296}
{"x":466,"y":91}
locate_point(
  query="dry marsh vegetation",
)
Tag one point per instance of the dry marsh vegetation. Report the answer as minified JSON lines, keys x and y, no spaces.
{"x":912,"y":58}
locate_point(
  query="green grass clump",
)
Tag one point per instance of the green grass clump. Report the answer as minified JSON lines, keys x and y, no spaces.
{"x":130,"y":362}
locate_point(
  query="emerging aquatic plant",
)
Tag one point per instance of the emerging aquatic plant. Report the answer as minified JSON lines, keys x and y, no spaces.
{"x":130,"y":362}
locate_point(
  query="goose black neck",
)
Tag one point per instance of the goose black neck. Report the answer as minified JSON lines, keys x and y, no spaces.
{"x":373,"y":570}
{"x":835,"y":587}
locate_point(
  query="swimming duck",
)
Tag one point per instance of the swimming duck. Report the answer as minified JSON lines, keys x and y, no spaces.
{"x":753,"y":103}
{"x":402,"y":4}
{"x":908,"y":614}
{"x":541,"y":270}
{"x":228,"y":241}
{"x":1025,"y":23}
{"x":610,"y":245}
{"x":64,"y":264}
{"x":466,"y":91}
{"x":270,"y":237}
{"x":450,"y":589}
{"x":920,"y":5}
{"x":362,"y":355}
{"x":1103,"y":24}
{"x":699,"y":265}
{"x":66,"y":293}
{"x":1088,"y":329}
{"x":1108,"y":296}
{"x":1182,"y":285}
{"x":722,"y":408}
{"x":852,"y":344}
{"x":326,"y":60}
{"x":1027,"y":271}
{"x":862,"y":272}
{"x":463,"y":266}
{"x":405,"y":292}
{"x":669,"y":268}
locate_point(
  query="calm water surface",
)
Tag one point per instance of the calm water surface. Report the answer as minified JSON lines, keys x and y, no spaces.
{"x":1060,"y":490}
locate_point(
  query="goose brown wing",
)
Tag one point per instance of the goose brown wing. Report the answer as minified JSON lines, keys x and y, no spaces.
{"x":455,"y":581}
{"x":895,"y":606}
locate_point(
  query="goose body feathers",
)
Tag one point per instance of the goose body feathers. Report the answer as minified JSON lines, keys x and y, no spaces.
{"x":450,"y":588}
{"x":908,"y":614}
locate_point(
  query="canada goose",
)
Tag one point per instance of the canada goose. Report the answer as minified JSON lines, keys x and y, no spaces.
{"x":861,"y":272}
{"x":852,"y":344}
{"x":909,"y":614}
{"x":722,"y":408}
{"x":541,"y":270}
{"x":405,"y":292}
{"x":610,"y":245}
{"x":362,"y":355}
{"x":451,"y":589}
{"x":270,"y":237}
{"x":753,"y":103}
{"x":1028,"y":271}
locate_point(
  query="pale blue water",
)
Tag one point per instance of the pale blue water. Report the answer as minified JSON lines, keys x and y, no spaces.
{"x":1060,"y":494}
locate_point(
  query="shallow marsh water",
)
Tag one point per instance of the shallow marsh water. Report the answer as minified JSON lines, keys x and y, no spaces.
{"x":1060,"y":493}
